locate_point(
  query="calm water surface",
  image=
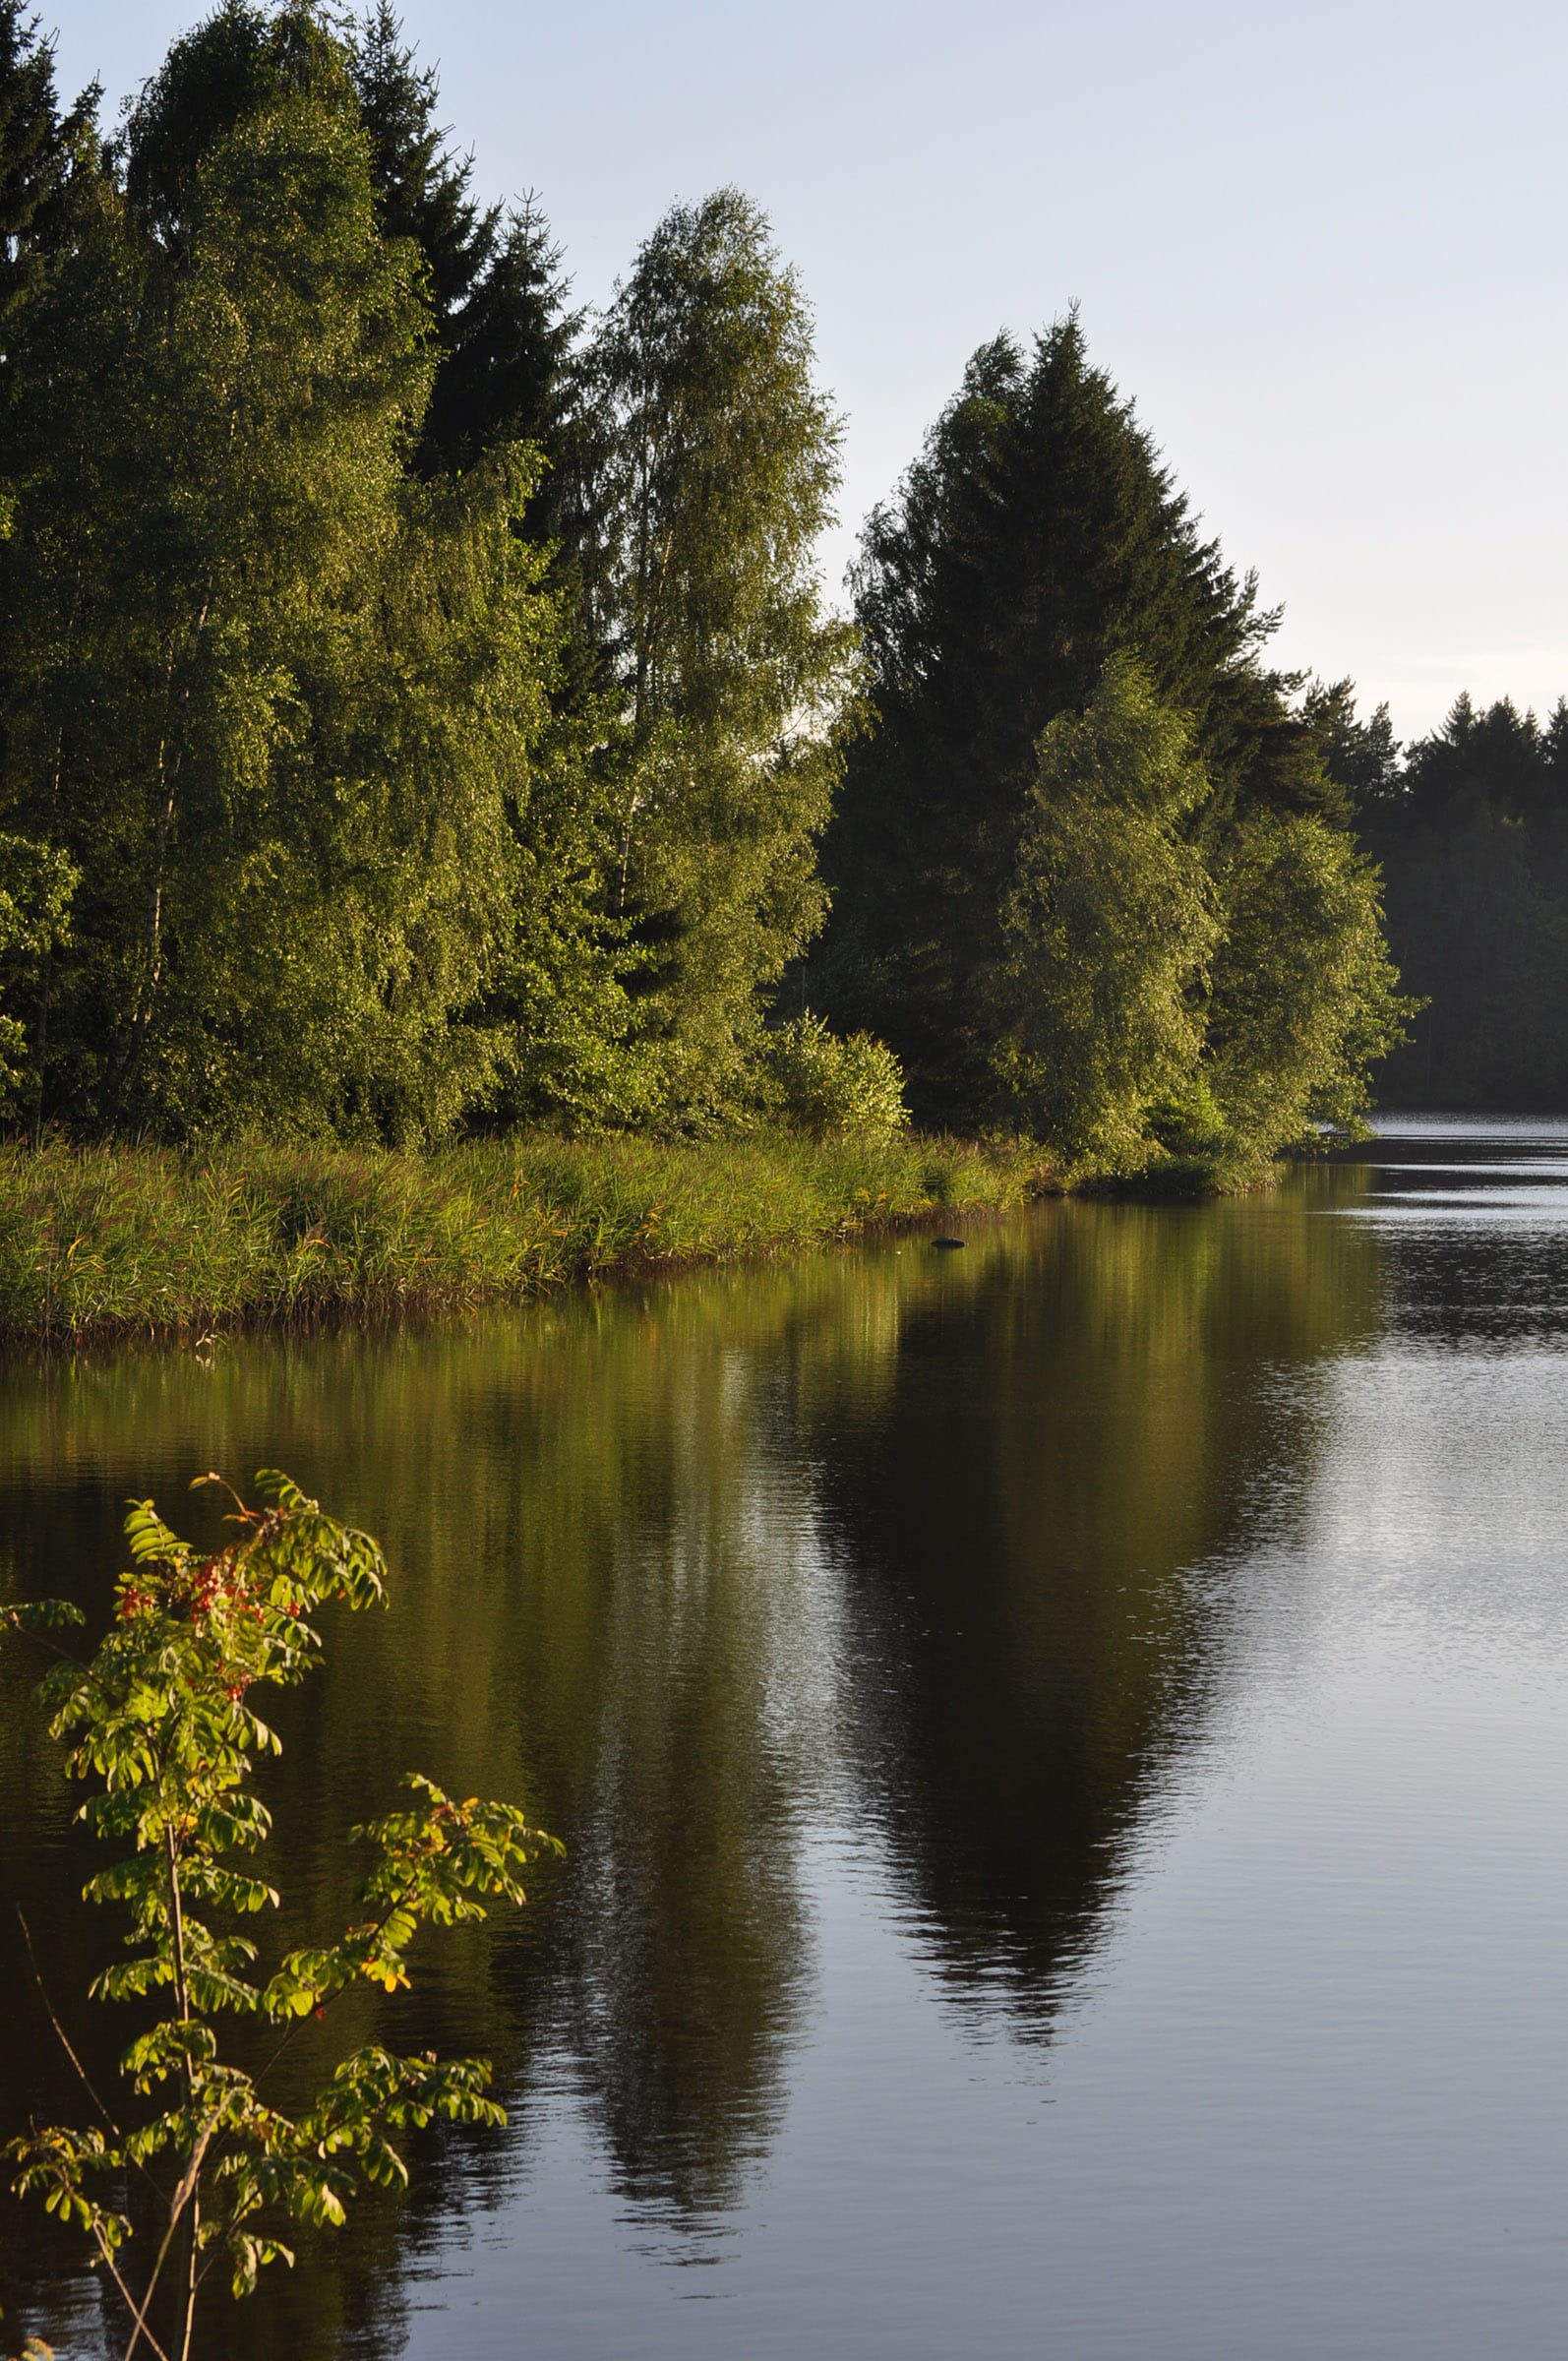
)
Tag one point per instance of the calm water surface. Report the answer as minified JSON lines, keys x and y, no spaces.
{"x":1063,"y":1750}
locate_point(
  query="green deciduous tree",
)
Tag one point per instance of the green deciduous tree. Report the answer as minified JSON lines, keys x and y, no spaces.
{"x":36,"y":883}
{"x":277,"y":702}
{"x":814,"y":1080}
{"x":707,"y":464}
{"x":199,"y":2169}
{"x":1305,"y":997}
{"x":1108,"y":928}
{"x":1173,"y":979}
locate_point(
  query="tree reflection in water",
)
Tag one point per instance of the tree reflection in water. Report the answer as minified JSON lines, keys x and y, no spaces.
{"x":893,"y":1539}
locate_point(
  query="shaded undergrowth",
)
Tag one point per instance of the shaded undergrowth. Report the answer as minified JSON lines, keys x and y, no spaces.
{"x":127,"y":1239}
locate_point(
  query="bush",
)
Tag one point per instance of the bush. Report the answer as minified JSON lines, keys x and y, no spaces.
{"x":830,"y":1085}
{"x":161,"y":1723}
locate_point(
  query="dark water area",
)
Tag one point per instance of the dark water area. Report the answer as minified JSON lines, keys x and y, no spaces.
{"x":1063,"y":1755}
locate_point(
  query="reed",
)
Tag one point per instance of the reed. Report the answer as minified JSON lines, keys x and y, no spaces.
{"x":99,"y":1241}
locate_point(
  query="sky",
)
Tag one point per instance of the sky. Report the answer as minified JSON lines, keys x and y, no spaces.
{"x":1320,"y":245}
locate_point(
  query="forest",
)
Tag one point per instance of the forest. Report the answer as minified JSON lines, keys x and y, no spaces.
{"x":421,"y":716}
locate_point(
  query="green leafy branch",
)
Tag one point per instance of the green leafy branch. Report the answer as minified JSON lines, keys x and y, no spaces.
{"x":161,"y":1723}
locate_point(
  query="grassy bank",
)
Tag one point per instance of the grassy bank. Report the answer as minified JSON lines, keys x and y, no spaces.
{"x":100,"y":1241}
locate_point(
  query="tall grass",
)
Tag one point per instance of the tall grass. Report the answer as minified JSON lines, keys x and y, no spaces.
{"x":122,"y":1240}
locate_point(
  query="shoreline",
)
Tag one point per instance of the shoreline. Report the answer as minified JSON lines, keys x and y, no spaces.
{"x":135,"y":1241}
{"x":98,"y":1244}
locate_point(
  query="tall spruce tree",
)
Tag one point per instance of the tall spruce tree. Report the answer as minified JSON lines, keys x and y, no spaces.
{"x":504,"y":331}
{"x":37,"y":145}
{"x":1037,"y":538}
{"x":709,"y":461}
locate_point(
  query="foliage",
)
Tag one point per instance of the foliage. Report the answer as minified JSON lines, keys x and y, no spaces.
{"x":1472,"y":832}
{"x":1109,"y":927}
{"x":1304,"y":996}
{"x":432,"y":710}
{"x":277,"y":704}
{"x":35,"y":2349}
{"x":707,"y":468}
{"x":1037,"y":536}
{"x":1178,"y":985}
{"x":35,"y":889}
{"x":37,"y":147}
{"x":100,"y":1241}
{"x":1361,"y":756}
{"x":828,"y":1085}
{"x":161,"y":1724}
{"x":502,"y":328}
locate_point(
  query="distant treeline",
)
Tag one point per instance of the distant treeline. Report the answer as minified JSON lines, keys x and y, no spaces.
{"x":419,"y":712}
{"x":1470,"y":828}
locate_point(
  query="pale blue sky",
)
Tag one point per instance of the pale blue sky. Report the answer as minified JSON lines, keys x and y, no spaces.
{"x":1322,"y":245}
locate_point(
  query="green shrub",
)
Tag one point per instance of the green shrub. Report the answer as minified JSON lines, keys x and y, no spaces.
{"x":831,"y":1085}
{"x":160,"y":1722}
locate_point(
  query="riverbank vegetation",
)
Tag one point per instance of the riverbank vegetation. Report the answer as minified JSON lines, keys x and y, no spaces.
{"x":100,"y":1241}
{"x":421,"y":718}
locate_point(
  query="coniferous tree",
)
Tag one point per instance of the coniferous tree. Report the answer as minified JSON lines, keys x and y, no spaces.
{"x":1036,"y":540}
{"x":37,"y":144}
{"x":1473,"y":835}
{"x":504,"y":332}
{"x":1360,"y":757}
{"x":1036,"y":536}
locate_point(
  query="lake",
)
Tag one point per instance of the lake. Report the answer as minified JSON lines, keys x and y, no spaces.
{"x":1063,"y":1754}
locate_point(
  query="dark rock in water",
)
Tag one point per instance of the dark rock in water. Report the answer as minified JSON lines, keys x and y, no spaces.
{"x":950,"y":1241}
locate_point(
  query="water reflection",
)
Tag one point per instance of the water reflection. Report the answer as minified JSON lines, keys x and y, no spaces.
{"x":1061,"y":1441}
{"x":772,"y":1592}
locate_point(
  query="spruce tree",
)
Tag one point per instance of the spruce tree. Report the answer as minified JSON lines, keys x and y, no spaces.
{"x":1361,"y":757}
{"x":504,"y":332}
{"x":37,"y":144}
{"x":1472,"y":834}
{"x":1038,"y":538}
